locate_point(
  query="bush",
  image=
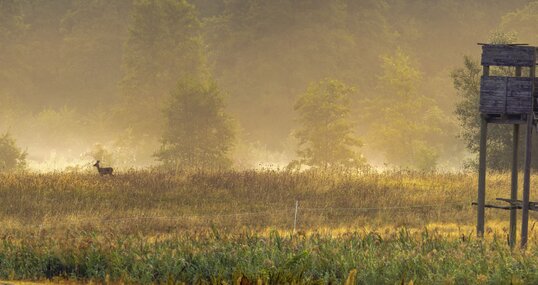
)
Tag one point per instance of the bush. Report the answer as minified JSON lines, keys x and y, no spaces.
{"x":11,"y":157}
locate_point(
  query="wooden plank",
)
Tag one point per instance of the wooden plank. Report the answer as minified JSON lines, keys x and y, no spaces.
{"x":494,"y":206}
{"x":506,"y":121}
{"x":493,"y":94}
{"x":533,"y":206}
{"x":514,"y":44}
{"x":506,"y":95}
{"x":519,"y":94}
{"x":508,"y":55}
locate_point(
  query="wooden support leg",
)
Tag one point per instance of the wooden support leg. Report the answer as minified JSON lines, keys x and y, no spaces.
{"x":526,"y":182}
{"x":513,"y":193}
{"x":482,"y":179}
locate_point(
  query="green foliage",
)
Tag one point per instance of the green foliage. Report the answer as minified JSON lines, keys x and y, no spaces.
{"x":93,"y":35}
{"x":407,"y":126}
{"x":466,"y":80}
{"x":11,"y":157}
{"x":76,"y":53}
{"x":164,"y":44}
{"x":199,"y":133}
{"x":424,"y":258}
{"x":467,"y":83}
{"x":11,"y":26}
{"x":327,"y":138}
{"x":151,"y":226}
{"x":265,"y":52}
{"x":521,"y":22}
{"x":11,"y":21}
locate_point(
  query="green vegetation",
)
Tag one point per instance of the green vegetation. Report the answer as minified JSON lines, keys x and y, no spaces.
{"x":164,"y":45}
{"x":199,"y":133}
{"x":326,"y":138}
{"x":466,"y":80}
{"x":247,"y":258}
{"x":11,"y":157}
{"x":130,"y":82}
{"x":210,"y":227}
{"x":80,"y":73}
{"x":420,"y":133}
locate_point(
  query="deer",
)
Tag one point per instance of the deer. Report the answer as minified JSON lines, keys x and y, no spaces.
{"x":103,"y":170}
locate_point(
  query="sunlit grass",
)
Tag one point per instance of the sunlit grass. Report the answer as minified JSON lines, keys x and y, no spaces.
{"x":212,"y":257}
{"x":137,"y":226}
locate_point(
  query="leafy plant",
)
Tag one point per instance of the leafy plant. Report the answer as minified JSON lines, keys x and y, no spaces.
{"x":326,"y":137}
{"x":11,"y":157}
{"x":199,"y":133}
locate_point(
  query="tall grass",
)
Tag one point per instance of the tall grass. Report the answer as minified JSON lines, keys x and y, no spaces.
{"x":246,"y":258}
{"x":146,"y":226}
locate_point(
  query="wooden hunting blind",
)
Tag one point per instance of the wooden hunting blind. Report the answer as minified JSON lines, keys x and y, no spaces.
{"x":507,"y":95}
{"x":508,"y":99}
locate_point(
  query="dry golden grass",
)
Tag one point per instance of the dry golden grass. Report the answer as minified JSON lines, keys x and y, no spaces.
{"x":148,"y":203}
{"x":215,"y":227}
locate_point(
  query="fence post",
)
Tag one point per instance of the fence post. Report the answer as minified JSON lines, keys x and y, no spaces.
{"x":295,"y":219}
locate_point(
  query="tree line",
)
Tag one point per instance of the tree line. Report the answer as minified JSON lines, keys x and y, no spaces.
{"x":190,"y":83}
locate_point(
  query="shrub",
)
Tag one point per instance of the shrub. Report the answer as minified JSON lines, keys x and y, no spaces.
{"x":11,"y":157}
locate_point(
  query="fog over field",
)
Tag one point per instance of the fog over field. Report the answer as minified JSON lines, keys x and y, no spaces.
{"x":267,"y":142}
{"x":82,"y":80}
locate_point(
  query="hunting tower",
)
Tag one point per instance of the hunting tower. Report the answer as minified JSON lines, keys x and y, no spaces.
{"x":508,"y":99}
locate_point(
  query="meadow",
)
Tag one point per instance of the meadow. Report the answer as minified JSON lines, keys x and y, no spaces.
{"x":230,"y":227}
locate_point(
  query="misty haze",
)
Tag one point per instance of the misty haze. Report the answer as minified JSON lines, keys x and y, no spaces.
{"x":267,"y":142}
{"x":87,"y":80}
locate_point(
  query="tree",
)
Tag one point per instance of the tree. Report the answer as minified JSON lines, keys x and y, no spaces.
{"x":466,"y":80}
{"x":265,"y":52}
{"x":11,"y":157}
{"x":11,"y":27}
{"x":522,"y":21}
{"x":326,"y":138}
{"x":164,"y":44}
{"x":92,"y":35}
{"x":408,"y":127}
{"x":199,"y":133}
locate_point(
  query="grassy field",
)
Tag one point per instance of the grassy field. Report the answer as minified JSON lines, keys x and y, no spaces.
{"x":229,"y":227}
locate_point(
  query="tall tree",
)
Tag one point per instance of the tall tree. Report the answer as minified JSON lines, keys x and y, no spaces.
{"x":326,"y":138}
{"x":164,"y":44}
{"x":93,"y":34}
{"x":11,"y":27}
{"x":523,"y":22}
{"x":408,"y":127}
{"x":466,"y":80}
{"x":199,"y":133}
{"x":265,"y":52}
